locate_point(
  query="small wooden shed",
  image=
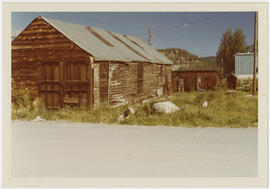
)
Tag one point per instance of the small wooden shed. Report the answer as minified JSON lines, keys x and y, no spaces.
{"x":67,"y":64}
{"x":231,"y":80}
{"x":195,"y":76}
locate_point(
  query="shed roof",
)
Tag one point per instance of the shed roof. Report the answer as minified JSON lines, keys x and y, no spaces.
{"x":108,"y":46}
{"x":205,"y":66}
{"x":245,"y":54}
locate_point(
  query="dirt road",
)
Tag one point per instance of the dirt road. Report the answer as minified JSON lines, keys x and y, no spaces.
{"x":82,"y":150}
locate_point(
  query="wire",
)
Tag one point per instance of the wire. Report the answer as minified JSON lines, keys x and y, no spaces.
{"x":193,"y":22}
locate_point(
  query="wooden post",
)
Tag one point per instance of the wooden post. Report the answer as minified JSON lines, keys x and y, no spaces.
{"x":255,"y":53}
{"x":149,"y":35}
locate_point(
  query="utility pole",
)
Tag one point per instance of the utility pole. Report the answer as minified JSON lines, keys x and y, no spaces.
{"x":255,"y":52}
{"x":149,"y":35}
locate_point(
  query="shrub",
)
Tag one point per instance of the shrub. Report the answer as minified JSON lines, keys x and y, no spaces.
{"x":24,"y":108}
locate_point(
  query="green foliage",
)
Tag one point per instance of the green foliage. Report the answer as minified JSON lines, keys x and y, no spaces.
{"x":189,"y":61}
{"x":230,"y":44}
{"x":198,"y":66}
{"x":24,"y":108}
{"x":239,"y":44}
{"x":224,"y":110}
{"x":210,"y":59}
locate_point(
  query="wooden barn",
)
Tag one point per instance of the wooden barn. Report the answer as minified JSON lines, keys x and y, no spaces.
{"x":194,"y":76}
{"x":80,"y":66}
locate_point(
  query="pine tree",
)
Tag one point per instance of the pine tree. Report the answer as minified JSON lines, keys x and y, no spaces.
{"x":225,"y":49}
{"x":231,"y":43}
{"x":239,"y":42}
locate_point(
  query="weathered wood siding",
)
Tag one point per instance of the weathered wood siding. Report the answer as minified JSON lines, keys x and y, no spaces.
{"x":61,"y":73}
{"x":103,"y":82}
{"x":136,"y":81}
{"x":122,"y":83}
{"x":40,"y":43}
{"x":96,"y":84}
{"x":208,"y":80}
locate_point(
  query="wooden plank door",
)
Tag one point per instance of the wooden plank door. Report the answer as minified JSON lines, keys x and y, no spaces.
{"x":77,"y":84}
{"x":49,"y":83}
{"x":65,"y":84}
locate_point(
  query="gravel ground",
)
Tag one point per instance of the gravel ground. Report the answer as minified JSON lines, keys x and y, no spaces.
{"x":51,"y":149}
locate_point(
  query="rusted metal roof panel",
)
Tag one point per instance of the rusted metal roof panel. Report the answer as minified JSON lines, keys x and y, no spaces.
{"x":158,"y":57}
{"x":108,"y":46}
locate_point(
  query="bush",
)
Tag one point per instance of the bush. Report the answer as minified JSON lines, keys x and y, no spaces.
{"x":24,"y":108}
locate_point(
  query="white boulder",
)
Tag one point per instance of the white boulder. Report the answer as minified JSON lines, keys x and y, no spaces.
{"x":166,"y":107}
{"x":121,"y":118}
{"x":38,"y":118}
{"x":131,"y":110}
{"x":205,"y":104}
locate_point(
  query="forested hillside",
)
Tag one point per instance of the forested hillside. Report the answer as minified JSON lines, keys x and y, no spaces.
{"x":182,"y":56}
{"x":179,"y":56}
{"x":211,"y":59}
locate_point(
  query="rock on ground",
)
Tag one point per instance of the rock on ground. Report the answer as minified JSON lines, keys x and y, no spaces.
{"x":121,"y":118}
{"x":205,"y":104}
{"x":166,"y":107}
{"x":230,"y":92}
{"x":38,"y":118}
{"x":126,"y":114}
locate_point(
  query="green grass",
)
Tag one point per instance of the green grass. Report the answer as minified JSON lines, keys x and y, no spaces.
{"x":224,"y":110}
{"x":246,"y":84}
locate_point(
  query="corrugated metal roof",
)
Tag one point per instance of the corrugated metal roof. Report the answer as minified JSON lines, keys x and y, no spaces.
{"x":108,"y":46}
{"x":244,"y":63}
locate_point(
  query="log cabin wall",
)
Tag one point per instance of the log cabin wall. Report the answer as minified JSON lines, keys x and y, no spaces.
{"x":54,"y":68}
{"x":123,"y":83}
{"x":96,"y":84}
{"x":103,"y":83}
{"x":39,"y":44}
{"x":136,"y":81}
{"x":155,"y":83}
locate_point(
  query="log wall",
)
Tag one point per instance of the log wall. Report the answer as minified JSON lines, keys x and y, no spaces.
{"x":41,"y":43}
{"x":113,"y":83}
{"x":136,"y":81}
{"x":96,"y":84}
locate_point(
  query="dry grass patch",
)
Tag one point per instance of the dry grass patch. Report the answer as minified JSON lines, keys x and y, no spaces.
{"x":224,"y":110}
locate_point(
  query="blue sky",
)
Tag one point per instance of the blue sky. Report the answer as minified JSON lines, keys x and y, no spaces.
{"x":197,"y":32}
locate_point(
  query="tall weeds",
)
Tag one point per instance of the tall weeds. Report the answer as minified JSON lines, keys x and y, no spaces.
{"x":224,"y":110}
